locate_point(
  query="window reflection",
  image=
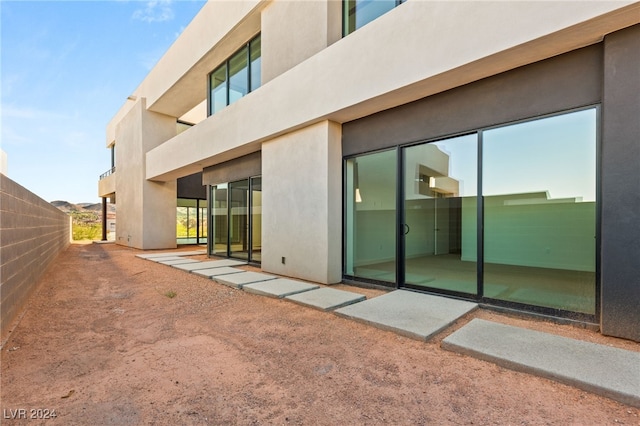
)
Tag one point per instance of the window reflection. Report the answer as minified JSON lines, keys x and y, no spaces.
{"x":371,"y":217}
{"x":539,"y":189}
{"x":219,"y":89}
{"x":256,"y":62}
{"x":236,"y":77}
{"x":219,"y":220}
{"x":256,"y":219}
{"x":440,"y":211}
{"x":357,"y":13}
{"x":191,"y":220}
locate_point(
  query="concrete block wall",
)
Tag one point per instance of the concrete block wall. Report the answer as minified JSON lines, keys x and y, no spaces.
{"x":32,"y":233}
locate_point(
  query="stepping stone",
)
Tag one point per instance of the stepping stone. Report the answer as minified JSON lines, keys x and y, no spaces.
{"x":279,"y":288}
{"x":607,"y":371}
{"x":239,"y":280}
{"x":210,"y":264}
{"x":165,"y":259}
{"x":326,"y":299}
{"x":178,"y":262}
{"x":171,"y":253}
{"x":411,"y":314}
{"x":214,"y":272}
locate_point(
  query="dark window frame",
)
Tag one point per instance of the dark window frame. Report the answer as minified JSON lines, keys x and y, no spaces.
{"x":210,"y":223}
{"x":226,"y":64}
{"x":496,"y":304}
{"x":347,"y":5}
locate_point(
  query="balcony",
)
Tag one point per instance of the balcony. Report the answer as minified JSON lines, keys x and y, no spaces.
{"x":107,"y":183}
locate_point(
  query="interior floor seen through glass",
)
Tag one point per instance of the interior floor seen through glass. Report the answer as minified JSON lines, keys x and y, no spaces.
{"x":440,"y":214}
{"x":539,"y":187}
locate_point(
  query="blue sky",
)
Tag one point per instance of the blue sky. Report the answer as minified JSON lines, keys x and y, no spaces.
{"x":66,"y":68}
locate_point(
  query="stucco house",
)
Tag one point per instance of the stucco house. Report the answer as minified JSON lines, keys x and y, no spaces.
{"x":481,"y":150}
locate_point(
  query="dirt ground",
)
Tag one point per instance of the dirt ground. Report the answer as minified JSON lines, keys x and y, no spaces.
{"x":102,"y":343}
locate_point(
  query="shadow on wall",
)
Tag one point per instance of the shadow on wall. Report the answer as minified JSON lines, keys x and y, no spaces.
{"x":32,"y":234}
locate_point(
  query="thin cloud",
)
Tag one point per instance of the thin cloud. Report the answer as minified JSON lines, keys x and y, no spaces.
{"x":155,"y":11}
{"x":12,"y":137}
{"x":11,"y":111}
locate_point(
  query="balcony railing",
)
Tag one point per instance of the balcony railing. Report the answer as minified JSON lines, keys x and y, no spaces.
{"x":108,"y":173}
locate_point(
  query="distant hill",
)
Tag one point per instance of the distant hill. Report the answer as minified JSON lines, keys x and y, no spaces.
{"x":95,"y":207}
{"x":65,"y":206}
{"x":68,"y":207}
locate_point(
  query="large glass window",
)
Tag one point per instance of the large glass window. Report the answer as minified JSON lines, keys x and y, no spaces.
{"x":371,"y":216}
{"x":531,"y":184}
{"x":219,"y":89}
{"x":191,"y":220}
{"x":236,"y":77}
{"x":539,"y":187}
{"x":357,"y":13}
{"x":255,"y":49}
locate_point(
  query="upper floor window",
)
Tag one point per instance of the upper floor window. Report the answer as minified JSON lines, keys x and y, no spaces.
{"x":357,"y":13}
{"x":237,"y":76}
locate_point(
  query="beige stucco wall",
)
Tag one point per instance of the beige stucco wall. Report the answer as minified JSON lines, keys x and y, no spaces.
{"x":107,"y":186}
{"x":178,"y":83}
{"x":310,"y":27}
{"x":3,"y":163}
{"x":146,"y":210}
{"x":392,"y":60}
{"x":302,"y":209}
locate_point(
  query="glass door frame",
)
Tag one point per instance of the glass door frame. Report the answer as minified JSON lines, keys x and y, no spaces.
{"x":479,"y":297}
{"x":402,"y":225}
{"x":249,"y":218}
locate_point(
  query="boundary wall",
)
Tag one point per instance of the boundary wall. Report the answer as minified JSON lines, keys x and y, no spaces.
{"x":32,"y":234}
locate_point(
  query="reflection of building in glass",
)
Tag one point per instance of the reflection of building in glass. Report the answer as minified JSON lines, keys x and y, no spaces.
{"x":432,"y":173}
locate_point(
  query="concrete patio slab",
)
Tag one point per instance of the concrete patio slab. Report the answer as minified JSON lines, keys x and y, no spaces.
{"x":171,"y":253}
{"x":214,"y":272}
{"x":414,"y":315}
{"x":326,"y":299}
{"x":279,"y":287}
{"x":239,"y":280}
{"x":208,"y":264}
{"x":178,"y":262}
{"x":603,"y":370}
{"x":165,"y":259}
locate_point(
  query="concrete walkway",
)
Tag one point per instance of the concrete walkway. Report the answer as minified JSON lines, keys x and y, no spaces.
{"x":171,"y":253}
{"x":279,"y":288}
{"x":607,"y":371}
{"x":610,"y":372}
{"x":326,"y":299}
{"x":210,"y":264}
{"x":412,"y":314}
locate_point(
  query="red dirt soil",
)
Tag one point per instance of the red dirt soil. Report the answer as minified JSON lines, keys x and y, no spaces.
{"x":102,"y":343}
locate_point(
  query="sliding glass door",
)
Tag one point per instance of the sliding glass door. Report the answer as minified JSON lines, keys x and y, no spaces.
{"x":440,"y":215}
{"x":239,"y":219}
{"x":256,"y":219}
{"x":370,"y":210}
{"x":236,"y":219}
{"x":505,"y":214}
{"x":219,"y":220}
